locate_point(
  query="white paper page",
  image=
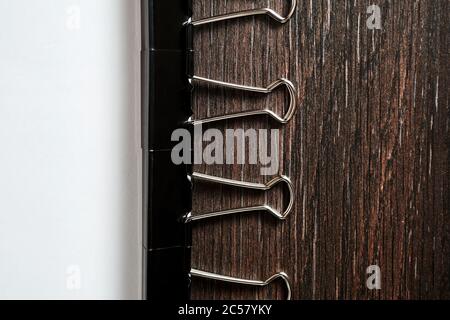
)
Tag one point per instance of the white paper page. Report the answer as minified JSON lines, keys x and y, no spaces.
{"x":69,"y":149}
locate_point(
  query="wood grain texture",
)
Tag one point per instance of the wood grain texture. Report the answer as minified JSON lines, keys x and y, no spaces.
{"x":368,"y":150}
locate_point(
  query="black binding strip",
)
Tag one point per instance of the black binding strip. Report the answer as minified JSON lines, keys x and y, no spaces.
{"x":166,"y":106}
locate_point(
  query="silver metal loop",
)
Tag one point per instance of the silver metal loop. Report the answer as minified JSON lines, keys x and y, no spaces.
{"x":246,"y":185}
{"x":281,"y":119}
{"x":246,"y":13}
{"x":279,"y":276}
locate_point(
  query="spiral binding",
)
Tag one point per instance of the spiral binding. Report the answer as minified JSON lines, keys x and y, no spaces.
{"x":167,"y":260}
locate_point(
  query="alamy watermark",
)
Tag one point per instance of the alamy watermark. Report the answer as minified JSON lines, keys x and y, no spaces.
{"x":235,"y":146}
{"x":374,"y":280}
{"x":73,"y":278}
{"x":374,"y":21}
{"x":73,"y":18}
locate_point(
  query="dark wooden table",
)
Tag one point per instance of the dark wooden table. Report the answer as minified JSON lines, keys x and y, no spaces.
{"x":368,"y":150}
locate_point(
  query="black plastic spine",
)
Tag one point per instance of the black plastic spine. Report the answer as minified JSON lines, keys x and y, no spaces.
{"x":166,"y":106}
